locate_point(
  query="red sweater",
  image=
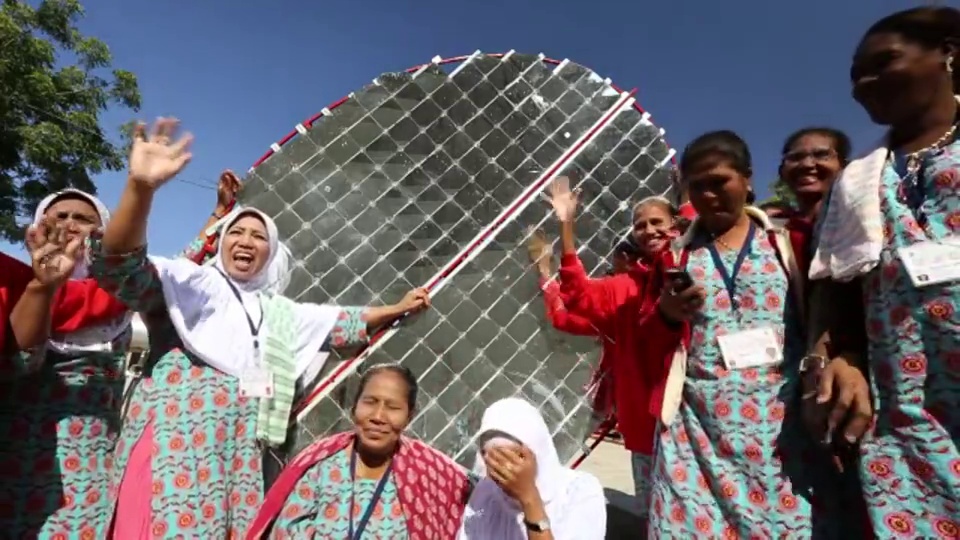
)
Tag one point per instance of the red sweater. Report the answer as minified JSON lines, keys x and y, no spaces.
{"x":614,"y":305}
{"x":78,"y":304}
{"x":577,"y":324}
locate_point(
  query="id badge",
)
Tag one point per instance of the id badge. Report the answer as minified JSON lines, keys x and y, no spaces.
{"x":932,"y":262}
{"x":750,"y":349}
{"x":256,"y":383}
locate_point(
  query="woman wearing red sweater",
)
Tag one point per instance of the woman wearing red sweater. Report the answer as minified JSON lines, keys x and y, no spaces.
{"x":613,"y":304}
{"x":601,"y":385}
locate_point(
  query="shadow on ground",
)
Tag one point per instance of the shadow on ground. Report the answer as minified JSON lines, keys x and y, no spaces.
{"x":622,"y":520}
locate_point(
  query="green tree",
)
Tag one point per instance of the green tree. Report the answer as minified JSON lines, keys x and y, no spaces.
{"x":54,"y":84}
{"x":781,"y":194}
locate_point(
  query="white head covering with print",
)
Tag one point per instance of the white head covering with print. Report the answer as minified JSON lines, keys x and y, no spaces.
{"x":98,"y":338}
{"x":573,"y":500}
{"x":212,"y":320}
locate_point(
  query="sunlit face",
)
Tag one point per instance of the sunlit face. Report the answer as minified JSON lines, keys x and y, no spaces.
{"x":652,"y":228}
{"x":75,"y":215}
{"x":246,"y":248}
{"x":895,"y":80}
{"x":382,"y":412}
{"x":811,"y":165}
{"x":718,"y":193}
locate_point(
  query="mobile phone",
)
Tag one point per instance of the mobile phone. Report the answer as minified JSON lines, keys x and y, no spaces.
{"x":679,"y":279}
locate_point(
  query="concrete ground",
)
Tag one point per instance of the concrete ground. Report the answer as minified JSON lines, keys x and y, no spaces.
{"x":610,"y":462}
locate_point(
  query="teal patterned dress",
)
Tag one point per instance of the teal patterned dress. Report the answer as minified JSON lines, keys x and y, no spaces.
{"x":206,"y":463}
{"x":319,"y":507}
{"x":59,"y":425}
{"x":736,"y":462}
{"x":910,"y":464}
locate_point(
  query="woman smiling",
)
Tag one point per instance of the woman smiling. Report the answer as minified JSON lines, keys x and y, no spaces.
{"x":371,"y":482}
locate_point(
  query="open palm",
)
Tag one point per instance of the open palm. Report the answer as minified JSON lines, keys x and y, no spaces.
{"x":52,"y":256}
{"x":563,"y":199}
{"x":157,"y":158}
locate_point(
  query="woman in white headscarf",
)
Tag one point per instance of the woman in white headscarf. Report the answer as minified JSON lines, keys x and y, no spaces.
{"x":525,"y":493}
{"x":59,"y":414}
{"x":227,"y":351}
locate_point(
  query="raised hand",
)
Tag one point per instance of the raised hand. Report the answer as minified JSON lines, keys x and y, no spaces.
{"x":227,"y":189}
{"x":563,"y":199}
{"x":156,"y":158}
{"x":52,"y":256}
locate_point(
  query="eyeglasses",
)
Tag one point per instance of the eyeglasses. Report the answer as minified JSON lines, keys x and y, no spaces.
{"x":819,"y":155}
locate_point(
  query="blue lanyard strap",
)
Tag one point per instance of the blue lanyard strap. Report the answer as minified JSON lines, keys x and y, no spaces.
{"x":730,"y":280}
{"x":377,"y":493}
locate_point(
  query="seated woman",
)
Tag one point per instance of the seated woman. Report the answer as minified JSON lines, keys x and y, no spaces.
{"x":227,"y":351}
{"x":732,"y":457}
{"x":68,"y":414}
{"x":371,"y":482}
{"x":525,"y":492}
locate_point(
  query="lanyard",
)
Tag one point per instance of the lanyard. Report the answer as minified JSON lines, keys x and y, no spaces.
{"x":730,"y":280}
{"x":254,"y":328}
{"x":377,"y":493}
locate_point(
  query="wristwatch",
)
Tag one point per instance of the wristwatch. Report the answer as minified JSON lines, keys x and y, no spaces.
{"x":538,"y":526}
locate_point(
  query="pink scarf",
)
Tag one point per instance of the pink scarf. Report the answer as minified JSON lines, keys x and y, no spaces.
{"x":433,"y":490}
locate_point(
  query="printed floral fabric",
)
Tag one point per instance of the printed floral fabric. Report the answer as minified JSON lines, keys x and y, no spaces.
{"x":59,"y":420}
{"x":319,"y":507}
{"x":910,"y":464}
{"x":207,"y":464}
{"x":641,"y":465}
{"x":431,"y":489}
{"x":736,"y":463}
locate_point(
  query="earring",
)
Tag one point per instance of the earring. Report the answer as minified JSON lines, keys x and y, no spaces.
{"x":949,"y":63}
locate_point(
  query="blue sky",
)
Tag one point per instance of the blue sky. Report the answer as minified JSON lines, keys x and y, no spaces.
{"x":242,"y":74}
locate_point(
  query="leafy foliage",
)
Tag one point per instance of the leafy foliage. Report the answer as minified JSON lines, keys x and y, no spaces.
{"x":54,"y":84}
{"x":781,"y":195}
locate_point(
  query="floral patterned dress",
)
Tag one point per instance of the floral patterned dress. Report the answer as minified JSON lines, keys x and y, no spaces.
{"x":319,"y":507}
{"x":59,"y":426}
{"x":910,"y":463}
{"x":735,"y":463}
{"x":206,"y":462}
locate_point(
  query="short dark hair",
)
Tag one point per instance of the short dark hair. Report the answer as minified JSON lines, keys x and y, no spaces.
{"x":403,"y":371}
{"x":930,"y":26}
{"x":723,"y":144}
{"x":841,"y":143}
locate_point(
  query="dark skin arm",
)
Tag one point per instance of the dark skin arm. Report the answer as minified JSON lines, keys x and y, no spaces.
{"x":838,"y":332}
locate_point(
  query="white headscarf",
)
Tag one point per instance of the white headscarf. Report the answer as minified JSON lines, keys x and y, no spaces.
{"x":573,"y":500}
{"x":213,"y":324}
{"x":97,"y":338}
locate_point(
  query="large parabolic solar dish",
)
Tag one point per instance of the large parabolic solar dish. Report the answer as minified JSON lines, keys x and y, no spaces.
{"x":433,"y":177}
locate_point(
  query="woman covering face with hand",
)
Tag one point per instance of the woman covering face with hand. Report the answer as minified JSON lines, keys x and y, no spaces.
{"x":231,"y":354}
{"x":371,"y":482}
{"x":525,"y":492}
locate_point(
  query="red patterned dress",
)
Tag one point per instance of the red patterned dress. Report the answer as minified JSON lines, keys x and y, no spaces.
{"x":423,"y":499}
